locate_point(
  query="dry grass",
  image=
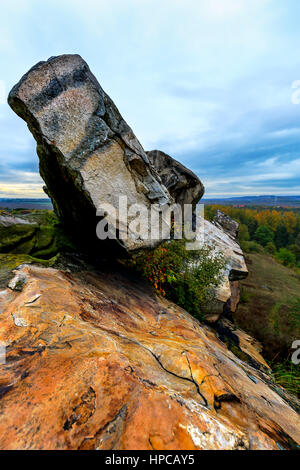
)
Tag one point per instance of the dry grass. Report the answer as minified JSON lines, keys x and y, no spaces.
{"x":270,"y":307}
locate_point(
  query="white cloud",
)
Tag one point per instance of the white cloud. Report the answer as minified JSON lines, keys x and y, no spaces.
{"x":21,"y":190}
{"x":206,"y":76}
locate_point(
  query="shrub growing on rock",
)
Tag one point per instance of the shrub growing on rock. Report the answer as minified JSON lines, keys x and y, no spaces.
{"x":186,"y":277}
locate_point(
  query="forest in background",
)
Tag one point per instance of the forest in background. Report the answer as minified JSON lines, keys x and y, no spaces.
{"x":273,"y":231}
{"x":269,"y":307}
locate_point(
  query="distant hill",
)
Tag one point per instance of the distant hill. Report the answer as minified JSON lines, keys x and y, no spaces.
{"x":274,"y":201}
{"x":277,"y":201}
{"x":25,"y":204}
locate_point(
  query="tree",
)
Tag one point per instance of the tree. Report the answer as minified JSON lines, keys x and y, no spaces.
{"x":295,"y":249}
{"x":270,"y":248}
{"x":264,"y":235}
{"x":281,"y":237}
{"x":252,"y":226}
{"x":243,"y":233}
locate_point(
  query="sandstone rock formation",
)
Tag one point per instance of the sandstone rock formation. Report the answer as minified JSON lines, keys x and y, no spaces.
{"x":230,"y":226}
{"x":241,"y":344}
{"x":182,"y":183}
{"x":97,"y":361}
{"x":186,"y":188}
{"x":227,"y":294}
{"x":88,"y":154}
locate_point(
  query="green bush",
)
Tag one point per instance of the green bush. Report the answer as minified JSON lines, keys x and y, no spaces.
{"x":286,"y":257}
{"x":243,"y":233}
{"x":251,"y":247}
{"x":270,"y":248}
{"x":295,"y":249}
{"x":186,"y":277}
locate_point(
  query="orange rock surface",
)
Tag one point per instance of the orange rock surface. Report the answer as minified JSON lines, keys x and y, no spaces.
{"x":97,"y":361}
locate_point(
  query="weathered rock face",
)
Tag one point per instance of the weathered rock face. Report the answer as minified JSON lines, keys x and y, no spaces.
{"x":97,"y":361}
{"x":186,"y":188}
{"x":234,"y":300}
{"x":241,"y":344}
{"x":230,"y":226}
{"x":182,"y":183}
{"x":88,"y":154}
{"x":227,"y":294}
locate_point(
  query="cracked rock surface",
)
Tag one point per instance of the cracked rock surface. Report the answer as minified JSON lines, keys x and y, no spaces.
{"x":98,"y":361}
{"x":88,"y":153}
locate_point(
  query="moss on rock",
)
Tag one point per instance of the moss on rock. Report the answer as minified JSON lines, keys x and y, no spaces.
{"x":14,"y":236}
{"x":9,"y":262}
{"x":43,"y":238}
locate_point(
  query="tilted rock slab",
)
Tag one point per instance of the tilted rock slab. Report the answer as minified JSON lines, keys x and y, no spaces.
{"x":182,"y":183}
{"x":88,"y":154}
{"x":94,"y":361}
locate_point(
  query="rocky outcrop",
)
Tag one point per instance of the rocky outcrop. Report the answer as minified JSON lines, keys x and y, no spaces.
{"x":241,"y":344}
{"x":37,"y":234}
{"x":236,"y":270}
{"x":227,"y":294}
{"x":182,"y":183}
{"x":226,"y":223}
{"x":88,"y":154}
{"x":221,"y":235}
{"x":9,"y":220}
{"x":97,"y":361}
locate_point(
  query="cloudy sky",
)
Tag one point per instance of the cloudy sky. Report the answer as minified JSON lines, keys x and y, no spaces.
{"x":207,"y":81}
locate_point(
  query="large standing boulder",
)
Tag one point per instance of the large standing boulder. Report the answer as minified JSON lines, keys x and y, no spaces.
{"x":88,"y":153}
{"x":182,"y":183}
